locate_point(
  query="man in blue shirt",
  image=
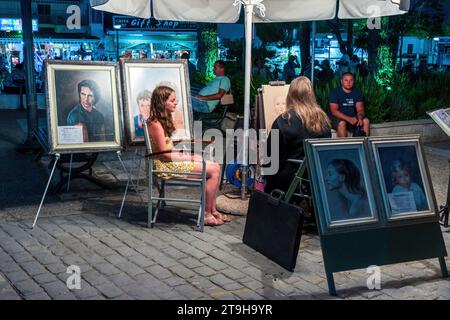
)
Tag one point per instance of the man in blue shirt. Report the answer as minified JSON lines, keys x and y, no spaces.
{"x":347,"y":107}
{"x":209,"y":97}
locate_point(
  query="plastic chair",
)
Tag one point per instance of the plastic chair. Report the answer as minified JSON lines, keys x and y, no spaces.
{"x":161,"y":183}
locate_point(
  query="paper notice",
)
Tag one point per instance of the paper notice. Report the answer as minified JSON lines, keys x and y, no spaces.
{"x":402,"y":202}
{"x":70,"y":134}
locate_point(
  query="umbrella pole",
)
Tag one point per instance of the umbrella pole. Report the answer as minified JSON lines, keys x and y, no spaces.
{"x":248,"y":64}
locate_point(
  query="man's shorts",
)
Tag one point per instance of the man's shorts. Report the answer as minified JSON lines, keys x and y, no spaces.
{"x":335,"y":122}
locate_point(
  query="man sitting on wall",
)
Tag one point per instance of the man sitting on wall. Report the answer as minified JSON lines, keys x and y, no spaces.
{"x":347,"y":108}
{"x":209,"y":97}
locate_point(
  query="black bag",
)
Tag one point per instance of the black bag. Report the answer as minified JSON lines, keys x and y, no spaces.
{"x":359,"y":132}
{"x":274,"y":228}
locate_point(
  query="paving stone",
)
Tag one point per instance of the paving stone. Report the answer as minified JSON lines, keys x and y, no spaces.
{"x":126,"y":251}
{"x":181,"y":271}
{"x":175,"y":281}
{"x":116,"y":259}
{"x":191,"y":263}
{"x":159,"y":272}
{"x":122,"y":280}
{"x":93,"y":277}
{"x":56,"y":268}
{"x":27,"y":287}
{"x":214,"y":263}
{"x":141,"y":261}
{"x":45,"y":278}
{"x":109,"y":290}
{"x":7,"y":292}
{"x":22,"y":256}
{"x":16,"y":276}
{"x":189,"y":291}
{"x":130,"y":268}
{"x":107,"y":269}
{"x":37,"y":296}
{"x":220,"y":280}
{"x":46,"y":259}
{"x":205,"y":271}
{"x":33,"y":268}
{"x":58,"y":290}
{"x":141,"y":292}
{"x":9,"y":266}
{"x":233,"y":273}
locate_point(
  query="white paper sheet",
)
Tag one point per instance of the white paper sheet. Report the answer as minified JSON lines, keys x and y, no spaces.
{"x":402,"y":202}
{"x":70,"y":134}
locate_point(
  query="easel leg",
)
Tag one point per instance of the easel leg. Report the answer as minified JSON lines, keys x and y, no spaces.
{"x":331,"y":286}
{"x":443,"y":267}
{"x":128,"y":175}
{"x":70,"y":171}
{"x":57,"y":156}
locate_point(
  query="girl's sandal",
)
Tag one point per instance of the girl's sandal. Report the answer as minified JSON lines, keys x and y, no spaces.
{"x":221,"y":216}
{"x":211,"y":221}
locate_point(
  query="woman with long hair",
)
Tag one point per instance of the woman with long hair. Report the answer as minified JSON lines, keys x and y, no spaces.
{"x":343,"y":177}
{"x":160,"y":128}
{"x":302,"y":119}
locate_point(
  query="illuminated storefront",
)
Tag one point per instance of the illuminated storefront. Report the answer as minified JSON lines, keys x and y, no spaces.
{"x":150,"y":38}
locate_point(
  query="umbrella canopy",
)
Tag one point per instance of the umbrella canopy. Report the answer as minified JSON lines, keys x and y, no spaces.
{"x":228,"y":11}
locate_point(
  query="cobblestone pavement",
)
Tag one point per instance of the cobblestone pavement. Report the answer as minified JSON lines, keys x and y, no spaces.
{"x":121,"y":259}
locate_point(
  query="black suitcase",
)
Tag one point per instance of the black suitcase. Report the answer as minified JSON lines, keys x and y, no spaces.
{"x":274,"y":228}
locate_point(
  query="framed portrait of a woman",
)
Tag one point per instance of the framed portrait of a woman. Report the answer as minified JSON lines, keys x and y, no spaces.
{"x":341,"y":183}
{"x":140,"y":78}
{"x":403,"y":178}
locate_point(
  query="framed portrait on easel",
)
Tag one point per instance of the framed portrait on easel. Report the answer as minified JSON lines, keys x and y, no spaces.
{"x":84,"y":106}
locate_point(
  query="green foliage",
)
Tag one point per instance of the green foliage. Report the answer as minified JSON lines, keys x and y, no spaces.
{"x":385,"y":70}
{"x":209,"y":39}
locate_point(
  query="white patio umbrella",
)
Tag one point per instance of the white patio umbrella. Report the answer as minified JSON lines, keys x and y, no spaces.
{"x":228,"y":11}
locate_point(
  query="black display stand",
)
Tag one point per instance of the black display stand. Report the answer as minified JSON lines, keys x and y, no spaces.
{"x":444,"y":210}
{"x":361,"y":249}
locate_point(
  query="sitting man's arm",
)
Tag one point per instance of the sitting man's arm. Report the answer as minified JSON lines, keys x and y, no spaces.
{"x":215,"y":96}
{"x":334,"y":108}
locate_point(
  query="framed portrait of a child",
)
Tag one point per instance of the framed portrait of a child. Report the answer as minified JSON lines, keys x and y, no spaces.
{"x":403,"y":177}
{"x":141,"y":77}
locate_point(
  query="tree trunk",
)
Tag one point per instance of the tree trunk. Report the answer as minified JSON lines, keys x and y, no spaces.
{"x":349,"y":46}
{"x":305,"y":44}
{"x":335,"y":28}
{"x":372,"y":49}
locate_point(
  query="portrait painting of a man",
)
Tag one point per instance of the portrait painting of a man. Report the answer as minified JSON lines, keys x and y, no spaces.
{"x":84,"y":105}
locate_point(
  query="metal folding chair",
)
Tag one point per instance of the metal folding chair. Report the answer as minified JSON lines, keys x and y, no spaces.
{"x":161,"y":183}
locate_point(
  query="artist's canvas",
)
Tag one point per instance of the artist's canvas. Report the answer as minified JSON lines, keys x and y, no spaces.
{"x":274,"y":102}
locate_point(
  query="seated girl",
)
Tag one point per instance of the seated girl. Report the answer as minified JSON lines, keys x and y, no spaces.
{"x":160,"y":128}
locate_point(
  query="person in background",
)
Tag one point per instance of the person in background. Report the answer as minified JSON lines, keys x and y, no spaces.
{"x":347,"y":107}
{"x":209,"y":97}
{"x":289,"y":72}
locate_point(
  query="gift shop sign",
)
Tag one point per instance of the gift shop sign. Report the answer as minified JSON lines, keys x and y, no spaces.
{"x":130,"y":23}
